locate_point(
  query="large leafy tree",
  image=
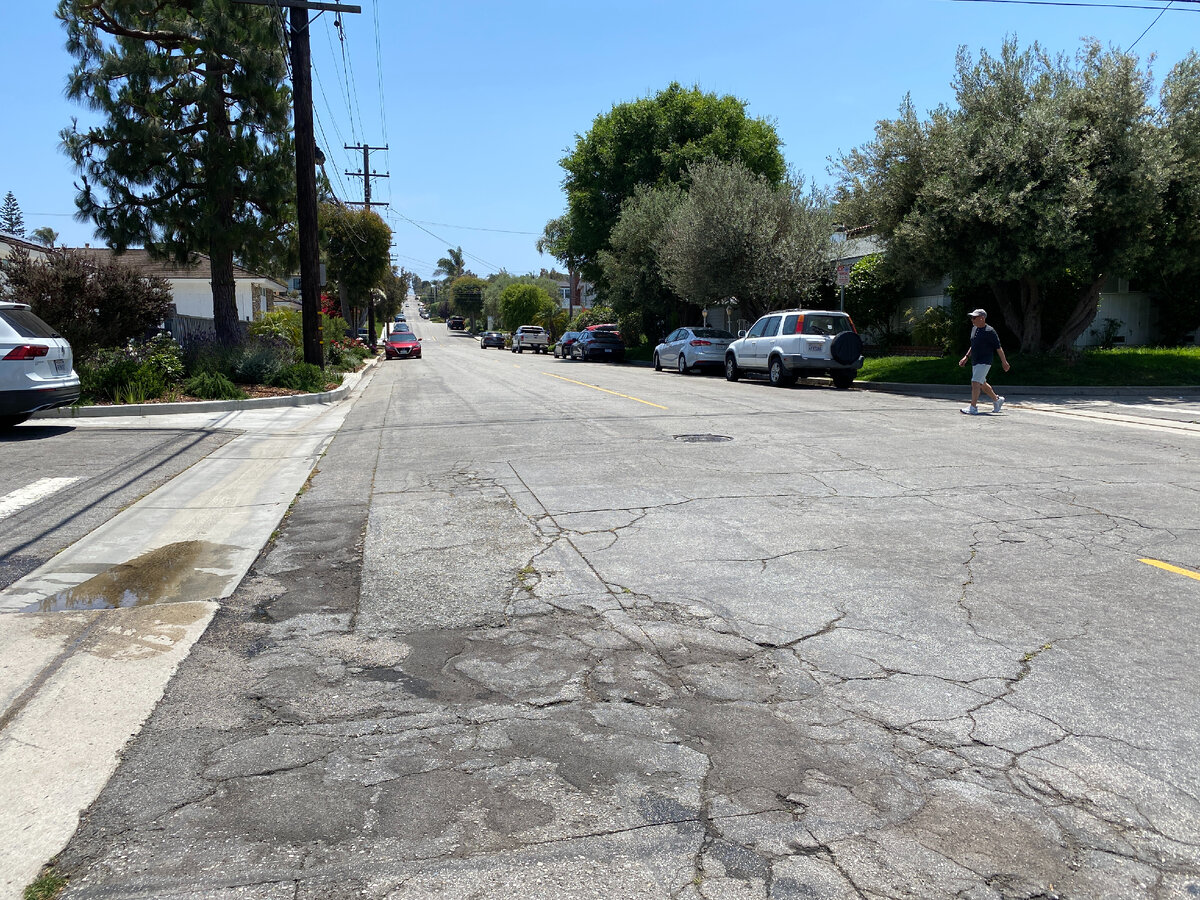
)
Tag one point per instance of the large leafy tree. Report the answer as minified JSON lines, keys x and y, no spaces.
{"x":631,"y":268}
{"x":357,"y":245}
{"x":193,"y":152}
{"x":1045,"y":179}
{"x":527,"y":304}
{"x":735,"y":234}
{"x":651,"y":142}
{"x":1174,"y":267}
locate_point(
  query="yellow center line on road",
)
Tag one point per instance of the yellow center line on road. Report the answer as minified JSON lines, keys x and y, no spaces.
{"x":605,"y":390}
{"x":1187,"y":573}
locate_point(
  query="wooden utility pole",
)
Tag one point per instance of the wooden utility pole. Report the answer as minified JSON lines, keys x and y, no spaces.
{"x":306,"y":165}
{"x":367,"y":175}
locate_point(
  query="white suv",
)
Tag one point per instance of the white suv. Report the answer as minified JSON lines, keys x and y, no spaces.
{"x":791,"y":343}
{"x":36,"y":366}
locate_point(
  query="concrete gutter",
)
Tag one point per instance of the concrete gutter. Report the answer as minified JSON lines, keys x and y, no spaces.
{"x":349,"y":380}
{"x":957,"y":392}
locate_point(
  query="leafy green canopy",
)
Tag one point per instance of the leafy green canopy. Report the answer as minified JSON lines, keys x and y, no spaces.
{"x":735,"y":234}
{"x":466,"y":296}
{"x":526,"y":304}
{"x":1045,"y":179}
{"x":193,"y":151}
{"x":357,"y":245}
{"x":650,"y":143}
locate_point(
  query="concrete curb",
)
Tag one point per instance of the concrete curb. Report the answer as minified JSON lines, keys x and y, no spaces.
{"x":958,"y":392}
{"x":349,"y":380}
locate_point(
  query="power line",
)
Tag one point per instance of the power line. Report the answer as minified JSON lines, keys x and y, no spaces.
{"x":480,"y":228}
{"x":1148,"y":27}
{"x":1085,"y":5}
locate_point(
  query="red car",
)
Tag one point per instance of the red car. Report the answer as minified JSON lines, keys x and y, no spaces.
{"x":402,"y":345}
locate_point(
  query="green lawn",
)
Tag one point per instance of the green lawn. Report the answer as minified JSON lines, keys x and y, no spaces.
{"x":1133,"y":366}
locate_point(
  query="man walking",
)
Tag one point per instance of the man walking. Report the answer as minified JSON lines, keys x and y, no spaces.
{"x":984,"y":342}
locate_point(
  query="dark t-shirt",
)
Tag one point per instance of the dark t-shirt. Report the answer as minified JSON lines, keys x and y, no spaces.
{"x":984,"y":342}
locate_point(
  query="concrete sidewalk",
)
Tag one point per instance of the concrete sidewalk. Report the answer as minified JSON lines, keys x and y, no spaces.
{"x":77,"y":677}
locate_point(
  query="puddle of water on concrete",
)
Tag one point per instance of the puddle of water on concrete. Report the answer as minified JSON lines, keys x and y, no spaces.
{"x":164,"y":575}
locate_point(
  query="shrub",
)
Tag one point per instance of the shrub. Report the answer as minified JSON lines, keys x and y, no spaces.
{"x":933,"y":328}
{"x":261,"y":360}
{"x":147,"y":383}
{"x":205,"y":353}
{"x":104,"y":373}
{"x":300,"y":377}
{"x":162,"y":354}
{"x":281,"y":325}
{"x":213,"y":386}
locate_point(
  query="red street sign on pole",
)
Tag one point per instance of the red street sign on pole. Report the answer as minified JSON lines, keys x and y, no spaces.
{"x":843,"y":275}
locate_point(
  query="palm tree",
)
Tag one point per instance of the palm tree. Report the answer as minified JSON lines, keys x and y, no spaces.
{"x":451,"y":265}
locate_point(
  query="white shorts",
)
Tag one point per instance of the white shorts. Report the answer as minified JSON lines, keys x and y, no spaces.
{"x":980,"y":372}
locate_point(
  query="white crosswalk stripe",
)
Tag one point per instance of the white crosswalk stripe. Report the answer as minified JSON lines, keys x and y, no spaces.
{"x":31,"y":493}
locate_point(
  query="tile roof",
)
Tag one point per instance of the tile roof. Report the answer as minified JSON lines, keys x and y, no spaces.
{"x":141,"y":261}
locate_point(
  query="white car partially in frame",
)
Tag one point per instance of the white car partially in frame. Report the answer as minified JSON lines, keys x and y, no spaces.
{"x":36,"y":366}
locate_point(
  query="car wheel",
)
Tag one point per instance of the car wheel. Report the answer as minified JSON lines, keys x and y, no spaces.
{"x":731,"y":368}
{"x":681,"y":365}
{"x":780,"y":377}
{"x":7,"y":422}
{"x":842,"y":378}
{"x":657,"y":364}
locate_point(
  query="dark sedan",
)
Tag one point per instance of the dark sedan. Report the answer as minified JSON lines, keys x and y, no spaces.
{"x":402,"y":345}
{"x":562,"y":347}
{"x":599,"y":345}
{"x":491,"y":339}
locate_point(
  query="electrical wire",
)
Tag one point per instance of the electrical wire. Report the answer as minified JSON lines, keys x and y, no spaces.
{"x":1078,"y":3}
{"x":1148,"y":27}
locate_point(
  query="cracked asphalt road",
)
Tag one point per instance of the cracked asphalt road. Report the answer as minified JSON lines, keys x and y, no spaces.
{"x":517,"y":640}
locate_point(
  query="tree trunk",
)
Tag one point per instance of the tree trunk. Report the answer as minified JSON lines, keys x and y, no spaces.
{"x":224,"y":293}
{"x":1020,"y":303}
{"x":222,"y":182}
{"x":1082,"y":316}
{"x":572,"y":291}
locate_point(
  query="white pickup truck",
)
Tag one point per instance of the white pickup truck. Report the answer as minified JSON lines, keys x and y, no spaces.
{"x":530,"y":337}
{"x":792,"y":343}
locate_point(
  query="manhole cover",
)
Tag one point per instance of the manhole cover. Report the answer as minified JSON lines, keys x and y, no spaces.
{"x":702,"y":438}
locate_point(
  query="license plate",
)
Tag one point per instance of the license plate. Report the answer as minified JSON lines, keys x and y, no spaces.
{"x":60,"y":367}
{"x":815,"y":346}
{"x":607,"y":350}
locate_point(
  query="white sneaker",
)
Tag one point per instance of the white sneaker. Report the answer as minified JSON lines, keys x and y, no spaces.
{"x":969,"y":411}
{"x":999,"y":403}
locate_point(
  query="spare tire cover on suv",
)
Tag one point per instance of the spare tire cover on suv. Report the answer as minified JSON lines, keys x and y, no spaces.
{"x":846,"y":348}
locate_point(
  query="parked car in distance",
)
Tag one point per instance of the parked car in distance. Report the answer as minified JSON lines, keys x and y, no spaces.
{"x":491,"y":339}
{"x":457,"y":323}
{"x":599,"y":345}
{"x":530,"y":337}
{"x":791,"y":343}
{"x":685,"y":349}
{"x":562,"y":347}
{"x":36,"y":366}
{"x":401,"y":317}
{"x":402,"y":345}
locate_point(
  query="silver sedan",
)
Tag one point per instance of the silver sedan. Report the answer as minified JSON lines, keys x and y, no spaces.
{"x":686,"y":349}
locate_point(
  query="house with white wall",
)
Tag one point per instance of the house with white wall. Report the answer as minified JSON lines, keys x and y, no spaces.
{"x":191,"y":288}
{"x":11,"y":243}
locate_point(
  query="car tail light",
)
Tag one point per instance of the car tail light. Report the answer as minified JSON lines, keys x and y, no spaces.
{"x":27,"y":351}
{"x":852,"y":328}
{"x":799,"y":325}
{"x":700,"y":343}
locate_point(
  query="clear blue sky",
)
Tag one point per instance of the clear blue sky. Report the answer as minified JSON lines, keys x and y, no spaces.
{"x":478,"y":100}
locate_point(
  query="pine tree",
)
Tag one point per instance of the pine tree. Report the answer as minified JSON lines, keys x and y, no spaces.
{"x":194,"y":152}
{"x":11,"y":220}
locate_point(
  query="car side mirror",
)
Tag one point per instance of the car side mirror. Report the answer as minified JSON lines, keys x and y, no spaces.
{"x":741,"y":334}
{"x":420,"y":339}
